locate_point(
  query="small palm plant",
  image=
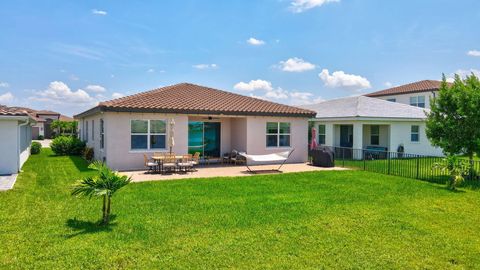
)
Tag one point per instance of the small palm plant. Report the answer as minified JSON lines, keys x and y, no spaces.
{"x":456,"y":169}
{"x":104,"y":185}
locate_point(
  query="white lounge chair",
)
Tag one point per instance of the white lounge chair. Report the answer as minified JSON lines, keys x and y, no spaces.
{"x":269,"y":158}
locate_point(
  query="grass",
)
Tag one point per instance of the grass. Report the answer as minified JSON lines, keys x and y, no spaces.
{"x":336,"y":219}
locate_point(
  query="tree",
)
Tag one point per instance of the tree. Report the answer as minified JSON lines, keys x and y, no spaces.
{"x":104,"y":185}
{"x":454,"y":118}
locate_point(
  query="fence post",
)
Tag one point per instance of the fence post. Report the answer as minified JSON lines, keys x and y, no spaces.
{"x":343,"y":157}
{"x":418,"y":166}
{"x":388,"y":157}
{"x":364,"y":161}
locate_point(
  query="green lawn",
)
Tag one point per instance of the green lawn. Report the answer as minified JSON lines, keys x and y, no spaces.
{"x":337,"y":219}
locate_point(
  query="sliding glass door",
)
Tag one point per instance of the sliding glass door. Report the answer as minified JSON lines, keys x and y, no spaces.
{"x":204,"y":137}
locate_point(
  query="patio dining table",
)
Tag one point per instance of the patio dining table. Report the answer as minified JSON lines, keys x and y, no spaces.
{"x":159,"y":159}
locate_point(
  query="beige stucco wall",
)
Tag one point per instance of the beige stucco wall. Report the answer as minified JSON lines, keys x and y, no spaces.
{"x":239,"y":134}
{"x":256,"y":137}
{"x":119,"y":156}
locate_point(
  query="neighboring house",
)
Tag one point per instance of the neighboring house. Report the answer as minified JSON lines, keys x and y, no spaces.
{"x":15,"y":139}
{"x":363,"y":122}
{"x":416,"y":94}
{"x":43,"y":119}
{"x":210,"y":121}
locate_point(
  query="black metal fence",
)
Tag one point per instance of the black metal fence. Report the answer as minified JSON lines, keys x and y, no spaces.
{"x":395,"y":163}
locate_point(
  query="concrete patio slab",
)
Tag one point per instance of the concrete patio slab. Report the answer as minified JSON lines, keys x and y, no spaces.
{"x":210,"y":171}
{"x":7,"y":181}
{"x":45,"y":143}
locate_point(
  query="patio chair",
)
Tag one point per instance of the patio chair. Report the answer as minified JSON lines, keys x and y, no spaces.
{"x":149,"y":164}
{"x":169,"y":163}
{"x":185,"y":163}
{"x":236,"y":158}
{"x":227,"y":158}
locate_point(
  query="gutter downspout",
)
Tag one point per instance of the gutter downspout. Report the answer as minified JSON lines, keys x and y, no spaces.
{"x":18,"y":142}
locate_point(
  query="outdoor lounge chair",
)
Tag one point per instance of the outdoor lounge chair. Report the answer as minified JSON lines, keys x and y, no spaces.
{"x":280,"y":157}
{"x":149,"y":164}
{"x":237,"y":158}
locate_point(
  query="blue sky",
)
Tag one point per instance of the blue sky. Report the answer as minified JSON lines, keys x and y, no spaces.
{"x":68,"y":55}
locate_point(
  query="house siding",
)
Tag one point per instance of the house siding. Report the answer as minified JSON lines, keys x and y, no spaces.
{"x":405,"y":98}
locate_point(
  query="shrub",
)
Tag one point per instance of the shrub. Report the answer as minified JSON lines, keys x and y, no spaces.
{"x":88,"y":153}
{"x":40,"y":137}
{"x":67,"y":145}
{"x":35,"y":148}
{"x":456,"y":167}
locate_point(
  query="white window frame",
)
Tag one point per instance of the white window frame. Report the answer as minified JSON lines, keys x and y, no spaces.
{"x":278,"y":135}
{"x":93,"y":130}
{"x":324,"y":134}
{"x":148,"y":134}
{"x":102,"y":133}
{"x":86,"y":130}
{"x":417,"y":133}
{"x":414,"y":101}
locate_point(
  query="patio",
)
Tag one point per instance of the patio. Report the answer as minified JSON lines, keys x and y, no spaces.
{"x":219,"y":170}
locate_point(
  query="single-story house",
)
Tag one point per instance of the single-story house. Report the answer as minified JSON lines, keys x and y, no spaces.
{"x":210,"y":121}
{"x":364,"y":122}
{"x":416,"y":94}
{"x":15,"y":139}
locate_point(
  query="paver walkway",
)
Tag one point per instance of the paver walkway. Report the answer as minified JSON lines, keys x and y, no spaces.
{"x":7,"y":181}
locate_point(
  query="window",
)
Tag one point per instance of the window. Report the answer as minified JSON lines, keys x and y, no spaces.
{"x":374,"y":135}
{"x":321,"y":134}
{"x":278,"y":134}
{"x":418,"y":101}
{"x":415,"y":134}
{"x":392,"y":99}
{"x":93,"y":130}
{"x":148,"y":134}
{"x":86,"y":131}
{"x":102,"y":135}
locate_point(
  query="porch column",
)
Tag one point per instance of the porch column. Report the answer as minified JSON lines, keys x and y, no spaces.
{"x":358,"y":140}
{"x":329,"y":134}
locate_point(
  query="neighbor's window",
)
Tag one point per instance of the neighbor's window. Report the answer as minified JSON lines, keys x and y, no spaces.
{"x":392,"y":99}
{"x":93,"y":130}
{"x":374,"y":135}
{"x":102,"y":134}
{"x":278,"y":134}
{"x":415,"y":134}
{"x":86,"y":131}
{"x":148,"y":134}
{"x":321,"y":134}
{"x":418,"y":101}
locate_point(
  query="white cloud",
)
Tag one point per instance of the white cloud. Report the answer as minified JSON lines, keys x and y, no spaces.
{"x":339,"y":79}
{"x":6,"y":98}
{"x":303,"y":98}
{"x":99,"y":12}
{"x":450,"y":80}
{"x":278,"y":93}
{"x":95,"y":88}
{"x":205,"y":66}
{"x":299,"y":6}
{"x":473,"y":53}
{"x":463,"y":73}
{"x":59,"y":93}
{"x":73,"y":77}
{"x":254,"y":85}
{"x":151,"y":70}
{"x":255,"y":42}
{"x":388,"y":84}
{"x":4,"y":85}
{"x":296,"y":65}
{"x":117,"y":95}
